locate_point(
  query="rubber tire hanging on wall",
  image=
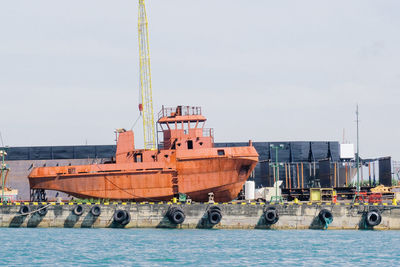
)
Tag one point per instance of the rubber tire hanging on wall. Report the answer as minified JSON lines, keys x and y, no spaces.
{"x":325,"y":216}
{"x":78,"y":210}
{"x":373,"y":217}
{"x":42,"y":211}
{"x":176,"y":215}
{"x":271,"y":215}
{"x":24,"y":209}
{"x":95,"y":210}
{"x":122,"y":217}
{"x":214,"y":215}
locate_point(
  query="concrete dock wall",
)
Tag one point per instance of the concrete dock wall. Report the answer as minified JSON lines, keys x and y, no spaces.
{"x":234,"y":216}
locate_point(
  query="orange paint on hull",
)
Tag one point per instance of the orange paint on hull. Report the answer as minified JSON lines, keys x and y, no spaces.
{"x":223,"y":176}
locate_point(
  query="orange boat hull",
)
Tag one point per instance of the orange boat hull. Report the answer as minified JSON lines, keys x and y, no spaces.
{"x":187,"y":163}
{"x":194,"y":173}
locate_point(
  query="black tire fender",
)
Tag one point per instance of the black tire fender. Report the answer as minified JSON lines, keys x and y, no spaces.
{"x":215,"y":208}
{"x":122,"y":217}
{"x":214,"y":215}
{"x":271,"y":215}
{"x":78,"y":210}
{"x":325,"y":216}
{"x":42,"y":211}
{"x":95,"y":210}
{"x":373,"y":217}
{"x":127,"y":219}
{"x":24,"y":209}
{"x":176,"y":215}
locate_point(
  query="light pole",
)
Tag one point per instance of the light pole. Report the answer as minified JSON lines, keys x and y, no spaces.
{"x":3,"y":153}
{"x":276,"y":165}
{"x":357,"y":161}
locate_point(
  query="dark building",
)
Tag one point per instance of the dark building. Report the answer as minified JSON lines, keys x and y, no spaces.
{"x":298,"y":162}
{"x":301,"y":164}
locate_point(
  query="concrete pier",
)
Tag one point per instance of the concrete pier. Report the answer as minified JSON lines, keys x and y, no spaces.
{"x":196,"y":215}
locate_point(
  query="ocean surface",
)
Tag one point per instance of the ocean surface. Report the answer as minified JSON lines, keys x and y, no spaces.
{"x":161,"y":247}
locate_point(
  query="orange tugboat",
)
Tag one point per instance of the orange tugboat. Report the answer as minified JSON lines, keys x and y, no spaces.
{"x":185,"y":162}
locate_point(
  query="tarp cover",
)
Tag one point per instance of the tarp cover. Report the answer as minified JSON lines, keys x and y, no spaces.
{"x":290,"y":151}
{"x":60,"y":152}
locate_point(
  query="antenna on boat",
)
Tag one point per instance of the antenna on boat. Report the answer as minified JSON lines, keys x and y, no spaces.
{"x":146,"y":101}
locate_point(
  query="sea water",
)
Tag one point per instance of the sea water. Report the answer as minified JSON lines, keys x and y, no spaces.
{"x":160,"y":247}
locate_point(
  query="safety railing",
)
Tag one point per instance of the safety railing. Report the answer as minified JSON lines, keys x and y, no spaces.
{"x":208,"y":132}
{"x":179,"y":111}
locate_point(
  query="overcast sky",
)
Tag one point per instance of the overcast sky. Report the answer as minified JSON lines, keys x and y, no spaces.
{"x":261,"y":70}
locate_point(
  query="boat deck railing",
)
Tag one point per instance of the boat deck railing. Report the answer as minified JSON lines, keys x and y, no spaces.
{"x":208,"y":132}
{"x":179,"y":111}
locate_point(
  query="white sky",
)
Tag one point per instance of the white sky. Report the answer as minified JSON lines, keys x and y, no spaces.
{"x":261,"y":70}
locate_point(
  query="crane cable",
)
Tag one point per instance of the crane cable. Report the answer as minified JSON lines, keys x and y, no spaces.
{"x":140,"y":115}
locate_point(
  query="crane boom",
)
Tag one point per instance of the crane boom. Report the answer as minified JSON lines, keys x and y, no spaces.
{"x":146,"y":100}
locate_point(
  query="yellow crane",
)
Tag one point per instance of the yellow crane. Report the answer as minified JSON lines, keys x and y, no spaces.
{"x":146,"y":99}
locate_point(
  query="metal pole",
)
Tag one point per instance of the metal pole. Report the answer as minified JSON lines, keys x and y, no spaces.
{"x":290,"y":176}
{"x":358,"y":156}
{"x":2,"y":152}
{"x":276,"y":198}
{"x":302,"y":176}
{"x":369,"y":174}
{"x":358,"y":160}
{"x":373,"y":167}
{"x":286,"y":178}
{"x":276,"y":169}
